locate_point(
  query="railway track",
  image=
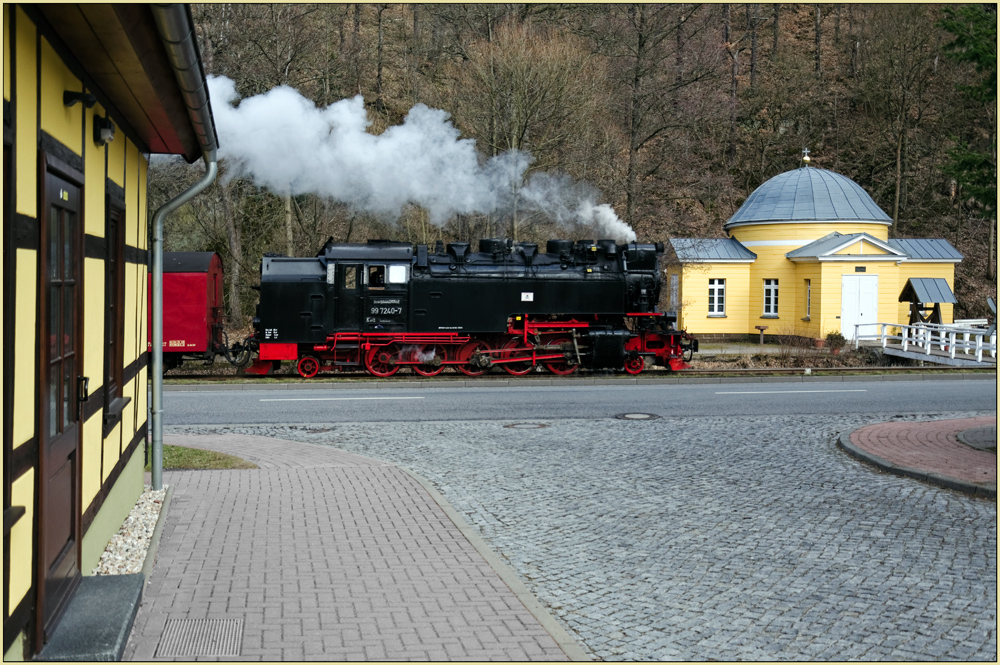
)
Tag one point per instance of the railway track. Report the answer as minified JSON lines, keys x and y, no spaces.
{"x":767,"y":371}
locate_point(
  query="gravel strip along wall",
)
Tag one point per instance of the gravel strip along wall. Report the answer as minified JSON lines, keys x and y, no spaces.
{"x":126,"y":551}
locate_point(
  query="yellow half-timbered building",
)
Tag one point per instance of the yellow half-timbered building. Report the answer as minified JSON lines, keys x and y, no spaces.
{"x":89,"y":92}
{"x":808,"y":253}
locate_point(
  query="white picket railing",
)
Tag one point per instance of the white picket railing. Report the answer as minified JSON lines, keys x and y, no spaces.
{"x":949,"y":338}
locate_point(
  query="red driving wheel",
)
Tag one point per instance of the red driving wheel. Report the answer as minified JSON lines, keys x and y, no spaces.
{"x":429,"y":354}
{"x":465,"y":355}
{"x":513,"y":348}
{"x":560,"y":367}
{"x":308,"y":367}
{"x":379,"y":361}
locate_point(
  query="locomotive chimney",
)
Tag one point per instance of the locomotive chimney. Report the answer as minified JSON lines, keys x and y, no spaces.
{"x":458,"y":251}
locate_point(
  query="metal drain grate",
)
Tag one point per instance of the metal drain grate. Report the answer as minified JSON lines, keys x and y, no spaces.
{"x":201,"y":637}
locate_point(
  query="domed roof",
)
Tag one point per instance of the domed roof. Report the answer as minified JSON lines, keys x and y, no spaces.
{"x":808,"y":195}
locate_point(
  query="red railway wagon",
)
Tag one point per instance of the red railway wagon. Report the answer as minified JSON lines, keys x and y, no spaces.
{"x":192,"y":307}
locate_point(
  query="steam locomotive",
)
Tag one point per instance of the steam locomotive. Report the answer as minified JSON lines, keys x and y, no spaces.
{"x":384,"y":306}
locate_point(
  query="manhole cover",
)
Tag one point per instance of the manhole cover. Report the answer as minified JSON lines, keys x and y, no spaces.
{"x":201,"y":637}
{"x":637,"y":416}
{"x":526,"y":426}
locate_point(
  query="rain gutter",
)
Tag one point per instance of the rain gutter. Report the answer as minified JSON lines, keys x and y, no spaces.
{"x":176,"y":28}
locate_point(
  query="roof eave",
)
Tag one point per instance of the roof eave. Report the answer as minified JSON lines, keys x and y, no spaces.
{"x":701,"y":260}
{"x":125,"y":64}
{"x":732,"y":224}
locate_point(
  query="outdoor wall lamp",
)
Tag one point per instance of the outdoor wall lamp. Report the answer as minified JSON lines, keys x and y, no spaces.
{"x":70,"y":98}
{"x":104,"y":130}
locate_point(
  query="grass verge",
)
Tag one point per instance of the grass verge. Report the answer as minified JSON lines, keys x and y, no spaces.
{"x":178,"y":457}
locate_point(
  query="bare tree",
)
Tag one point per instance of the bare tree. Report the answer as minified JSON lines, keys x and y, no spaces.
{"x":524,"y":92}
{"x":898,"y":55}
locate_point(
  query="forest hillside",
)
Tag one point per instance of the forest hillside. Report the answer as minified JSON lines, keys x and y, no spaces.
{"x":588,"y":121}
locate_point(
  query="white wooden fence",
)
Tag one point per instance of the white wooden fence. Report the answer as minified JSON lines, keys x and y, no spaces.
{"x":924,"y":337}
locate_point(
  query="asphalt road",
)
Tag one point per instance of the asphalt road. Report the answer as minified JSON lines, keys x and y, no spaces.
{"x":488,"y":403}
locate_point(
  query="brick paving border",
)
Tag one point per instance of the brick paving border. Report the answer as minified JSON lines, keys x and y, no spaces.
{"x":928,"y":451}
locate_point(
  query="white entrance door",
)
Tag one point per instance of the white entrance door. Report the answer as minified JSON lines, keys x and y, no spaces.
{"x":858,"y":303}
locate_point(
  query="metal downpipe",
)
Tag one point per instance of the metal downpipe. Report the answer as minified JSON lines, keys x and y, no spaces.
{"x":211,"y":169}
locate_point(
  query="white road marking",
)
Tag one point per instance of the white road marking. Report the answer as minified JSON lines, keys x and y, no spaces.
{"x":330,"y":399}
{"x":786,"y":392}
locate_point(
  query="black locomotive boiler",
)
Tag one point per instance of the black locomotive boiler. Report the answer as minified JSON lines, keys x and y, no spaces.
{"x":384,"y":306}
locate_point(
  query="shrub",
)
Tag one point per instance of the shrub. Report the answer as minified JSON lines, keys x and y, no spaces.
{"x":834,"y":340}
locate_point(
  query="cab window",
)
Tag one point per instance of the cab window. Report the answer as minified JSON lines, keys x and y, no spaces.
{"x":397,"y":274}
{"x":376,"y":277}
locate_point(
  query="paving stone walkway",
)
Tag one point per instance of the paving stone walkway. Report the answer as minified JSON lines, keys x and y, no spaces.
{"x":696,"y":538}
{"x":321,"y":555}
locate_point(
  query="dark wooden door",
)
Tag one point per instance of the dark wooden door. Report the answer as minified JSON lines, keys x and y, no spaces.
{"x":59,"y":492}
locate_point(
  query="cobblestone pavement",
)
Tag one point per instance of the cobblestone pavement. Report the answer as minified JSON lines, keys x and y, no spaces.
{"x":749,"y":538}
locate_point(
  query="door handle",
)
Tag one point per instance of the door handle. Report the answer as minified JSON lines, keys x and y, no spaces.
{"x":83,"y":388}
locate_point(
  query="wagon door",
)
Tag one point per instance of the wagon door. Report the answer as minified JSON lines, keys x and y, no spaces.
{"x":349,"y":296}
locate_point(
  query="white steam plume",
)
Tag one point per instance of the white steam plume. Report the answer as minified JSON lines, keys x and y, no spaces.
{"x":283,"y":142}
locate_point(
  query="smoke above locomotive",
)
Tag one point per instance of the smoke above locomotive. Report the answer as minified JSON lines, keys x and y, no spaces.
{"x":284,"y":142}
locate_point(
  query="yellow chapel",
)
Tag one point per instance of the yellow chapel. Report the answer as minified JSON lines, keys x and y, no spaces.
{"x":808,"y":253}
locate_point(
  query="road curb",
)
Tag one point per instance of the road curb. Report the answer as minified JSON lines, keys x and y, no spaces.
{"x":566,"y":382}
{"x":154,"y":540}
{"x":570,"y":646}
{"x":844,"y":442}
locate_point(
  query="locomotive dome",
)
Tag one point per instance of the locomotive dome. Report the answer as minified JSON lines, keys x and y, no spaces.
{"x":810,"y":195}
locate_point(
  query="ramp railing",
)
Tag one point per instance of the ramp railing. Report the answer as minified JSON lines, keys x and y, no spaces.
{"x":948,"y":338}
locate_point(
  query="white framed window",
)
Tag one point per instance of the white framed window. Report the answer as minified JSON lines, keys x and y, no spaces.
{"x":716,"y":297}
{"x":771,"y":297}
{"x":397,"y":274}
{"x":809,"y":294}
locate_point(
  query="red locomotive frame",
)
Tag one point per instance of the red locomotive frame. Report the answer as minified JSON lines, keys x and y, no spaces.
{"x":528,"y":343}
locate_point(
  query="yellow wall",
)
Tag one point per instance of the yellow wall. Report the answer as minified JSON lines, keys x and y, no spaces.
{"x":693,"y":313}
{"x":116,"y":162}
{"x":799,"y":234}
{"x":22,"y":493}
{"x":812,"y":327}
{"x":861,"y":248}
{"x":772,"y":264}
{"x":35,"y":88}
{"x":25,"y":340}
{"x":26,"y":107}
{"x":62,"y":122}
